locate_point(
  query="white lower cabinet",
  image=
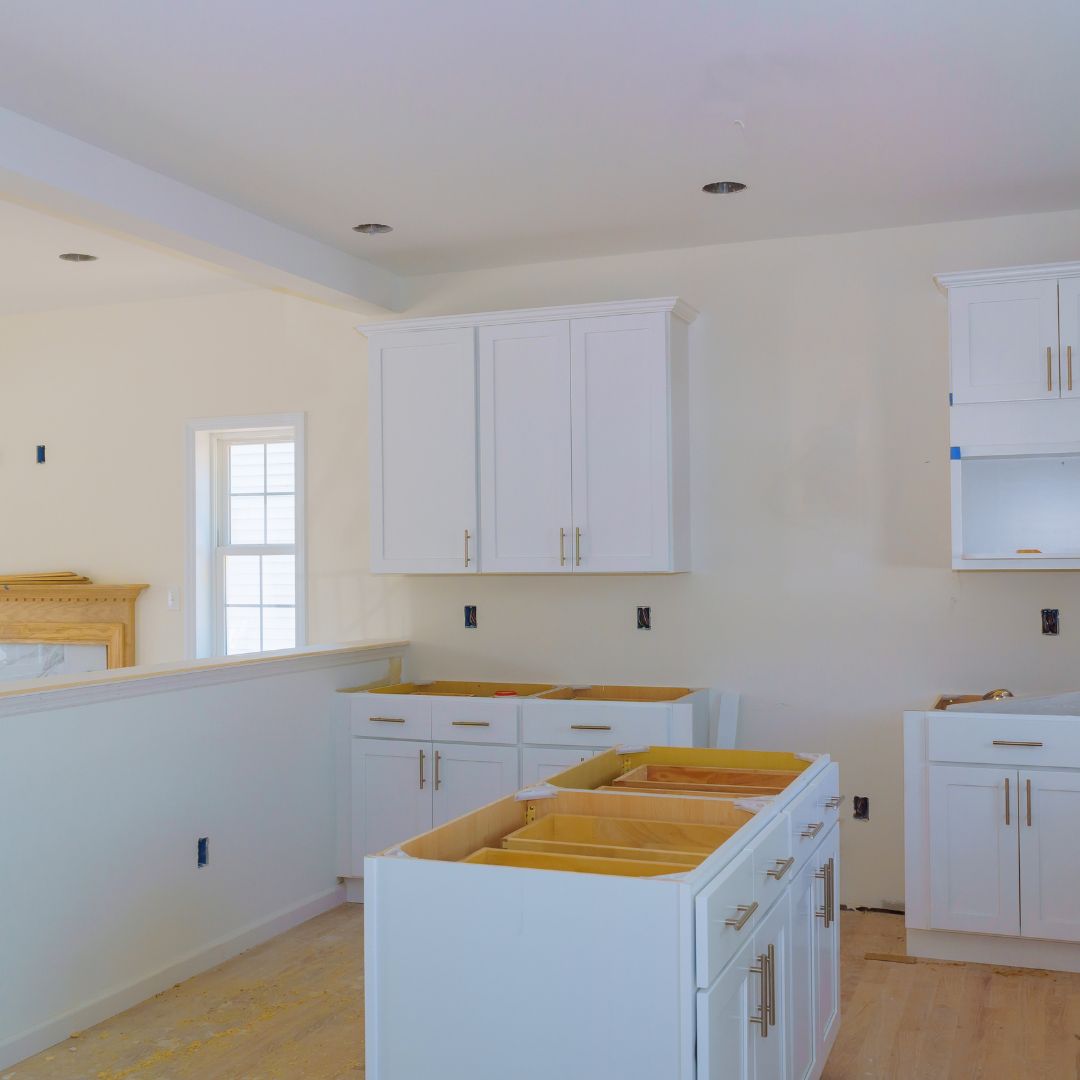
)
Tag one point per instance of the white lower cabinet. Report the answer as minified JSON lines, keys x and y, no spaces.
{"x":540,"y":762}
{"x":391,"y":798}
{"x":826,"y":983}
{"x":725,"y":1014}
{"x":1049,"y":804}
{"x":973,"y":849}
{"x":465,"y":777}
{"x":803,"y":962}
{"x":402,"y":788}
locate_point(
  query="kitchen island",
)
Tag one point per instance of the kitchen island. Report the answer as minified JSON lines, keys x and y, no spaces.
{"x":653,"y":912}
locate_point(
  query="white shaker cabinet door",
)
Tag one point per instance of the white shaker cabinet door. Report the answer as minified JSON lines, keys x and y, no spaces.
{"x":803,"y":960}
{"x":466,"y":777}
{"x":973,"y":849}
{"x":621,"y":437}
{"x":1050,"y":855}
{"x":422,"y":448}
{"x":524,"y":395}
{"x":827,"y":944}
{"x":391,"y":794}
{"x":728,"y":1020}
{"x":540,"y":762}
{"x":1004,"y":341}
{"x":1069,"y":313}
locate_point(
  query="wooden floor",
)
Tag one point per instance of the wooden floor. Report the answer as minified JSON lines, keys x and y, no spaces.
{"x":291,"y":1009}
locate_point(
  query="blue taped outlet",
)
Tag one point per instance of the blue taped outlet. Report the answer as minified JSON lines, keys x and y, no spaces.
{"x":954,"y":453}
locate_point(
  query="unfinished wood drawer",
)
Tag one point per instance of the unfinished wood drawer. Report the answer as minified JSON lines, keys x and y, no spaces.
{"x":1003,"y":740}
{"x":390,"y":716}
{"x":577,"y":864}
{"x":725,"y":914}
{"x":593,"y":723}
{"x":483,"y":720}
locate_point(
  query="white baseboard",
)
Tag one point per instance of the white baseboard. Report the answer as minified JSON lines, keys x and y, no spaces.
{"x":991,"y":949}
{"x":354,"y":890}
{"x":110,"y":1003}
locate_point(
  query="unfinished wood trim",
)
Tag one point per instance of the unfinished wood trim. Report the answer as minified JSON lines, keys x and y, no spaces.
{"x":68,"y":602}
{"x":568,"y":847}
{"x":581,"y":864}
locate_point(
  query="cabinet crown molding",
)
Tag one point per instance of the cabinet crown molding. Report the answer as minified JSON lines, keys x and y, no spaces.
{"x":999,"y":274}
{"x":679,"y":308}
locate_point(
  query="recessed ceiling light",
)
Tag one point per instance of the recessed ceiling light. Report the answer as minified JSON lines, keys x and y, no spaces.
{"x":372,"y":228}
{"x":723,"y":187}
{"x":77,"y":256}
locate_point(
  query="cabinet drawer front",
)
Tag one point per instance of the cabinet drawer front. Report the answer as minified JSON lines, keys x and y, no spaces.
{"x":391,"y":716}
{"x":474,"y":720}
{"x":813,"y":813}
{"x":1004,"y":740}
{"x":774,"y":863}
{"x":584,"y":723}
{"x":725,"y":914}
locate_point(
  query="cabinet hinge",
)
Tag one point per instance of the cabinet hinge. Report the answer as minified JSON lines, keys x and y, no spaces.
{"x":530,"y":813}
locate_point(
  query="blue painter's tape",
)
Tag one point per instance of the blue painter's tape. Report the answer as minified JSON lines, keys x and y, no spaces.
{"x":954,"y":453}
{"x":950,"y":397}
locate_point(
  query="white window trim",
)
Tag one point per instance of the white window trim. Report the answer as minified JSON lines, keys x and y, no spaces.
{"x":201,"y":634}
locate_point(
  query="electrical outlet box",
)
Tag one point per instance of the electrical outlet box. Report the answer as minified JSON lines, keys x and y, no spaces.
{"x":470,"y":616}
{"x":861,"y":803}
{"x":644,"y":618}
{"x":1050,"y":625}
{"x":202,"y":852}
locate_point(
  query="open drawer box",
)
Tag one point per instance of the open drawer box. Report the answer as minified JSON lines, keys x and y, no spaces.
{"x":649,"y":813}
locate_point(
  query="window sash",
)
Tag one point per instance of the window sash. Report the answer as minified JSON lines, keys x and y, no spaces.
{"x":221,"y":526}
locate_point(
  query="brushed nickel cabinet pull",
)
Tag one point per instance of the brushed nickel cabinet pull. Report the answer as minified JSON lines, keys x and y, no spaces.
{"x":470,"y":723}
{"x":422,"y":781}
{"x":745,"y":911}
{"x":1029,"y":804}
{"x":590,"y":727}
{"x":827,"y":875}
{"x":438,"y":756}
{"x":781,"y":868}
{"x":833,"y":803}
{"x":467,"y":560}
{"x":1049,"y":375}
{"x":1068,"y":353}
{"x":562,"y":547}
{"x":1014,"y":742}
{"x":812,"y":829}
{"x":386,"y":719}
{"x":577,"y":546}
{"x":772,"y":985}
{"x":761,"y":969}
{"x":1007,"y":801}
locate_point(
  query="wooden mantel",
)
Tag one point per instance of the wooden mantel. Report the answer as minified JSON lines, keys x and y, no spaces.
{"x":67,"y":608}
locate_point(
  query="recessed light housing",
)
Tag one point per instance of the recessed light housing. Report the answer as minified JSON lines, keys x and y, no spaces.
{"x":723,"y":187}
{"x":372,"y":228}
{"x":77,"y":256}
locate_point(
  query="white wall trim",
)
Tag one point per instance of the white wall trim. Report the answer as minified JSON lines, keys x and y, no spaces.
{"x":124,"y":997}
{"x":196,"y":599}
{"x":137,"y":682}
{"x":677,"y":307}
{"x":1035,"y":272}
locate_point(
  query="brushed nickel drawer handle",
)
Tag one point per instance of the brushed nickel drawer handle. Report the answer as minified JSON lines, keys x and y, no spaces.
{"x":1008,"y":799}
{"x":764,"y":1016}
{"x":422,"y":780}
{"x":467,"y":539}
{"x":562,"y":547}
{"x":577,"y":546}
{"x":1069,"y":353}
{"x":1014,"y":742}
{"x":782,"y":867}
{"x":470,"y":723}
{"x":387,"y":719}
{"x":833,"y":803}
{"x":590,"y":727}
{"x":1029,"y":804}
{"x":745,"y":911}
{"x":438,"y":756}
{"x":812,"y":829}
{"x":1049,"y":377}
{"x":772,"y":985}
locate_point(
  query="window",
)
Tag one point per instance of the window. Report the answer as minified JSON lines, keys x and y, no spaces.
{"x":246,"y":557}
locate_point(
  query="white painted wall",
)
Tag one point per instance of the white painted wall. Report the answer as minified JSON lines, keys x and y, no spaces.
{"x":821,"y":584}
{"x":109,"y":389}
{"x":103,"y":799}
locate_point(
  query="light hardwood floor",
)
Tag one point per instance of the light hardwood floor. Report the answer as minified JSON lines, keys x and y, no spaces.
{"x":291,"y":1009}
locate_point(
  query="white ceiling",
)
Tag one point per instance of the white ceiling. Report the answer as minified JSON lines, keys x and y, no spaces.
{"x":490,"y":132}
{"x":33,"y":278}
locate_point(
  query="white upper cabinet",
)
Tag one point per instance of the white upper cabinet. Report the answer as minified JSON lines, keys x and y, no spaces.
{"x":622,"y":444}
{"x":422,"y":446}
{"x":1069,"y":316}
{"x":525,"y":503}
{"x":578,"y":443}
{"x":1004,"y":341}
